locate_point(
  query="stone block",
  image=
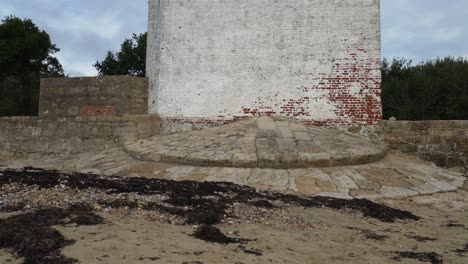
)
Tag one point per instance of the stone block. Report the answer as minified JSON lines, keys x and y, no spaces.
{"x":250,"y":148}
{"x":266,"y":134}
{"x":446,"y":187}
{"x":20,"y":119}
{"x":394,"y":192}
{"x":220,"y":160}
{"x":266,"y":160}
{"x":441,"y":125}
{"x":455,"y":161}
{"x":196,"y":159}
{"x":282,"y":124}
{"x":342,"y":179}
{"x":285,"y":132}
{"x":341,"y":158}
{"x":244,"y":160}
{"x":302,"y":136}
{"x":321,"y":159}
{"x":106,"y":118}
{"x":398,"y":125}
{"x":425,"y":189}
{"x":326,"y":186}
{"x":287,"y":145}
{"x":408,"y":148}
{"x":266,"y":123}
{"x":6,"y":155}
{"x":104,"y":132}
{"x":306,"y":185}
{"x":266,"y":144}
{"x":297,"y":127}
{"x":288,"y":160}
{"x":337,"y":195}
{"x":145,"y":128}
{"x":364,"y":194}
{"x":461,"y":144}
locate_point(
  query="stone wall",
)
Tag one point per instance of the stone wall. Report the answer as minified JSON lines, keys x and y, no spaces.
{"x":72,"y":135}
{"x":214,"y":61}
{"x":443,"y":142}
{"x":93,"y":96}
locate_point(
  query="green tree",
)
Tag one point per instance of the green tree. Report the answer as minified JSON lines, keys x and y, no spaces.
{"x":130,"y":60}
{"x":25,"y":57}
{"x":435,"y":89}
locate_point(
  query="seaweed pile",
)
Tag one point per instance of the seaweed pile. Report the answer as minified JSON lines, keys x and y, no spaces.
{"x":430,"y":257}
{"x":204,"y":204}
{"x":206,"y":201}
{"x":31,"y":236}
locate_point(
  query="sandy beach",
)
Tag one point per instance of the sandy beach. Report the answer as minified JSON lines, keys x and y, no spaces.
{"x":284,"y":233}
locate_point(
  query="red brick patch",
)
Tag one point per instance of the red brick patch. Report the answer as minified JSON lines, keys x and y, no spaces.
{"x":98,"y":111}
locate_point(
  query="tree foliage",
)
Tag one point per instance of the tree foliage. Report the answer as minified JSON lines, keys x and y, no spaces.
{"x":25,"y":57}
{"x":433,"y":90}
{"x":130,"y":60}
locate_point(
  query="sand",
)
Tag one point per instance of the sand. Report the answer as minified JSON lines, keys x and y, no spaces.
{"x":331,"y":237}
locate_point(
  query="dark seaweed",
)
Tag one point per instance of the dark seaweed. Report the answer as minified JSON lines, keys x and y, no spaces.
{"x":374,"y":236}
{"x":30,"y":236}
{"x":206,"y":201}
{"x":198,"y":203}
{"x":213,"y":234}
{"x":422,"y":238}
{"x":251,"y":251}
{"x":430,"y":257}
{"x":12,"y":208}
{"x":452,"y":224}
{"x":462,"y":251}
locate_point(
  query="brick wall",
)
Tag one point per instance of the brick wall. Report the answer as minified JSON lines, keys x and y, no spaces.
{"x":93,"y":96}
{"x":215,"y":61}
{"x":72,"y":135}
{"x":443,"y":142}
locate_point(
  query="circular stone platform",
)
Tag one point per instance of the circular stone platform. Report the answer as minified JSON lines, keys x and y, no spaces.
{"x":265,"y":142}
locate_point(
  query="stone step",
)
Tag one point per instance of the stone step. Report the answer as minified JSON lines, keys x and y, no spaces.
{"x":265,"y":142}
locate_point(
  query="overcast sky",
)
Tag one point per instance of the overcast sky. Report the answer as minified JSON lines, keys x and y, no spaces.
{"x":85,"y":29}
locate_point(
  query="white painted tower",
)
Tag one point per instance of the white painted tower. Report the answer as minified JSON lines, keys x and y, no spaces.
{"x":214,"y":61}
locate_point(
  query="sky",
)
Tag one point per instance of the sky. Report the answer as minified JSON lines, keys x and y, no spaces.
{"x":85,"y":30}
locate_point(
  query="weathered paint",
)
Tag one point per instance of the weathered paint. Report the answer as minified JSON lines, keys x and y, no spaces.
{"x":214,"y":61}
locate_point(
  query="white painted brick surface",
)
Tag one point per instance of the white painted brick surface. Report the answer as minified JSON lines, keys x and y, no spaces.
{"x":315,"y":60}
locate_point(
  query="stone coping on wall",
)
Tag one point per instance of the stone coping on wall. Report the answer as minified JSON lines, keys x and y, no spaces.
{"x":126,"y":118}
{"x":426,"y":124}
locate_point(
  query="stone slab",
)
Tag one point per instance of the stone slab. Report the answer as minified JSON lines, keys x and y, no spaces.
{"x":259,"y":142}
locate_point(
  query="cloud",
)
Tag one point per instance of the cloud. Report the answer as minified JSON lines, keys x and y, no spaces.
{"x":106,"y":26}
{"x":424,"y":29}
{"x":85,"y":30}
{"x":6,"y":9}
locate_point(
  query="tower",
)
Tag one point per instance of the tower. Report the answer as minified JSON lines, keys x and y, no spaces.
{"x":214,"y":61}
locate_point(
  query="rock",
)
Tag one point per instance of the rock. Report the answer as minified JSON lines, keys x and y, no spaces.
{"x":408,"y":148}
{"x":5,"y":155}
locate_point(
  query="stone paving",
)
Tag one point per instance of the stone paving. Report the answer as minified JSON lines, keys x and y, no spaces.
{"x":266,"y":142}
{"x":360,"y":169}
{"x":394,"y":176}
